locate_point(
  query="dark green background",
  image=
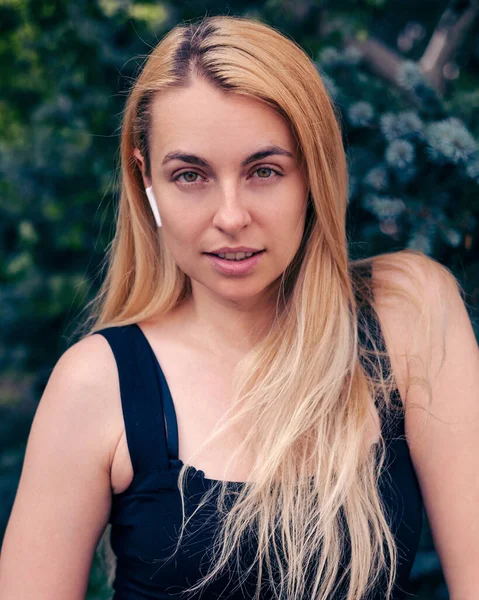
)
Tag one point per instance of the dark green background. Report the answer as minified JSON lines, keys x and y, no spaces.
{"x":65,"y":71}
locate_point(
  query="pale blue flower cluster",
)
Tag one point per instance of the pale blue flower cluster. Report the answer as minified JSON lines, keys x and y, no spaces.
{"x":361,"y":114}
{"x":405,"y":124}
{"x":390,"y":126}
{"x":422,"y":239}
{"x":453,"y":237}
{"x":384,"y":207}
{"x":400,"y":154}
{"x":377,"y":178}
{"x":409,"y":76}
{"x":449,"y":141}
{"x":410,"y":125}
{"x":472,"y":169}
{"x":351,"y":56}
{"x":330,"y":57}
{"x":330,"y":85}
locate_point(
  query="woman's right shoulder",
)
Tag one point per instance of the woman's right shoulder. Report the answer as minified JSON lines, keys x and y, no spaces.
{"x":88,"y":369}
{"x":89,"y":363}
{"x":89,"y":359}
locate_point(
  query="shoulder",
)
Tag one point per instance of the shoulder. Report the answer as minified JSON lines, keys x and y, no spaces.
{"x":416,"y":286}
{"x":90,"y":355}
{"x":413,"y":272}
{"x":435,"y":356}
{"x":89,"y":364}
{"x":84,"y":385}
{"x":414,"y":297}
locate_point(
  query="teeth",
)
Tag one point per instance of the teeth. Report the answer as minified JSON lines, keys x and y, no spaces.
{"x":235,"y":255}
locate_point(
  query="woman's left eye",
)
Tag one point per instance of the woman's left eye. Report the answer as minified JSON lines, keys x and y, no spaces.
{"x":267,"y":169}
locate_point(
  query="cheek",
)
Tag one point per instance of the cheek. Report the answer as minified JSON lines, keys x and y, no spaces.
{"x":290,"y":222}
{"x":178,"y":243}
{"x":292,"y":202}
{"x":181,"y":229}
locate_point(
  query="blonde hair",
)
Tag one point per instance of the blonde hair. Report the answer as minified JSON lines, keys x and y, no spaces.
{"x":301,"y":397}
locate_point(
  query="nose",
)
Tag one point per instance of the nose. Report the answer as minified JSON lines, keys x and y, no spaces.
{"x":231,"y":214}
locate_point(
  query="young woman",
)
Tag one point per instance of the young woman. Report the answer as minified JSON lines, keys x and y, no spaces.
{"x":231,"y":410}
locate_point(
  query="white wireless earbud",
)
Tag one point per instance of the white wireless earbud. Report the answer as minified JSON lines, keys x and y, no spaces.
{"x":153,"y":204}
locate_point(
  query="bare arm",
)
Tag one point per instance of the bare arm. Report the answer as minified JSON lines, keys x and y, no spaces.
{"x":444,"y":445}
{"x":63,"y":500}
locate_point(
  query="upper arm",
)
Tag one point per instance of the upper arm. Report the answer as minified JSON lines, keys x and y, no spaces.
{"x":63,"y":499}
{"x":444,"y":444}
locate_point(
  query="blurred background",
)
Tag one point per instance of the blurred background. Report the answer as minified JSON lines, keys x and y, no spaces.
{"x":404,"y":74}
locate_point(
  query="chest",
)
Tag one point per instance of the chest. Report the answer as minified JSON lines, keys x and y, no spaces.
{"x":201,"y":389}
{"x":200,"y":385}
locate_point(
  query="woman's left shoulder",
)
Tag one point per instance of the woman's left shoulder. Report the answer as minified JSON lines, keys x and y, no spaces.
{"x":414,"y":271}
{"x":402,"y":286}
{"x":435,"y":360}
{"x":419,"y":304}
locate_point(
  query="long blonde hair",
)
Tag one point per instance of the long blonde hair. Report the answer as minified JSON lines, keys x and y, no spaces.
{"x":301,"y":397}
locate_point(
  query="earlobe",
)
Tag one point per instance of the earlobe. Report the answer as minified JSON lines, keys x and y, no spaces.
{"x":140,"y":163}
{"x":138,"y":158}
{"x":153,"y":204}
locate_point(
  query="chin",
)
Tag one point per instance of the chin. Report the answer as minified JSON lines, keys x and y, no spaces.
{"x":240,"y":295}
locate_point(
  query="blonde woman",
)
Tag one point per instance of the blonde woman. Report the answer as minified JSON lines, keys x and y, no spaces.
{"x":253,"y":414}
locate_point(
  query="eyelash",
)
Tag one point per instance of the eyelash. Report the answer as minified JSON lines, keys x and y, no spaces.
{"x":277,"y":173}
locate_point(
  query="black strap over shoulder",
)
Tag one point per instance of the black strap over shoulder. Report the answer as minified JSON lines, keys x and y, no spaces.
{"x":143,"y":390}
{"x":371,"y":338}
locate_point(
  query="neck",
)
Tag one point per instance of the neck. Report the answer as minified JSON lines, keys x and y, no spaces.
{"x":226,"y":327}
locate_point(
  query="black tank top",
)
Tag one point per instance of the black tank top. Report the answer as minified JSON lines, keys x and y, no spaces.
{"x":146,"y":517}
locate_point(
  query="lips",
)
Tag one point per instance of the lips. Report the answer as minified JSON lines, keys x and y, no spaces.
{"x":218,"y":253}
{"x":235,"y":267}
{"x":228,"y":250}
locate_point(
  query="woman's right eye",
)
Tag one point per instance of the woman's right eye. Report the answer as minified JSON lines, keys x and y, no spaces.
{"x":186,"y":174}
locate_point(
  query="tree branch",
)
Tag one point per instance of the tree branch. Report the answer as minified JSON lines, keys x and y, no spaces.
{"x":446,"y":39}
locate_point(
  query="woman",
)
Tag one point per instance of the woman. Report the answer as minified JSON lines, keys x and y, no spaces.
{"x":229,"y":269}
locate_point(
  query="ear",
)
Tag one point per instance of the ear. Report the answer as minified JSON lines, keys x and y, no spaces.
{"x":141,"y":165}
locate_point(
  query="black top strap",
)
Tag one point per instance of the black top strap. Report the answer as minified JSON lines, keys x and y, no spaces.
{"x":165,"y":395}
{"x":369,"y":331}
{"x":372,"y":332}
{"x":141,"y":389}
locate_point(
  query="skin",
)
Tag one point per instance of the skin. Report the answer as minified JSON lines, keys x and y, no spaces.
{"x":261,"y":205}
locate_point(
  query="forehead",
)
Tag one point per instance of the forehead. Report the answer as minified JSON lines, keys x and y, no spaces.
{"x":204,"y":117}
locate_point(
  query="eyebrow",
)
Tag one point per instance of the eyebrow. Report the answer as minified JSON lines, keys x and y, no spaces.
{"x":192,"y":159}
